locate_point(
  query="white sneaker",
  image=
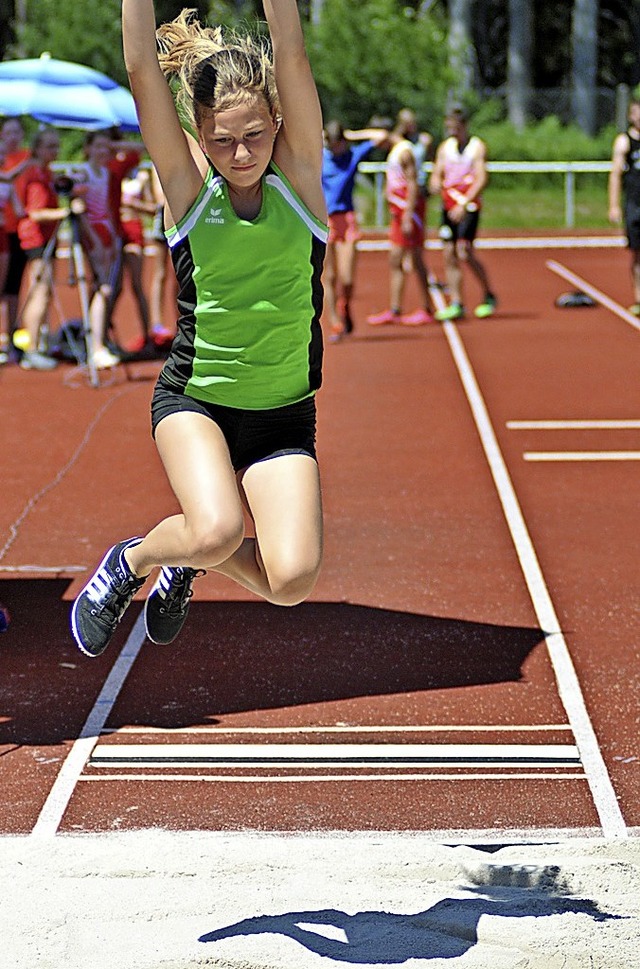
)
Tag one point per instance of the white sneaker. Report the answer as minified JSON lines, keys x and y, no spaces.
{"x":103,"y":359}
{"x":34,"y":360}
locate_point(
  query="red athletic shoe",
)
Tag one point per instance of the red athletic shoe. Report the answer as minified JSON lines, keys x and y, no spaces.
{"x":384,"y":318}
{"x":136,"y":345}
{"x":161,"y":336}
{"x":419,"y":318}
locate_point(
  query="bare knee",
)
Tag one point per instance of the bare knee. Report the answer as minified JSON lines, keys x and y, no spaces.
{"x":450,"y":257}
{"x":213,"y":541}
{"x":291,"y":582}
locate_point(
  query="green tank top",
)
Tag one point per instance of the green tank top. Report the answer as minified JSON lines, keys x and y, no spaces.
{"x":250,"y":298}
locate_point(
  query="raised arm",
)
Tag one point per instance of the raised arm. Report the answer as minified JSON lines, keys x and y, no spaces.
{"x":298,"y":147}
{"x":380,"y":136}
{"x":160,"y":126}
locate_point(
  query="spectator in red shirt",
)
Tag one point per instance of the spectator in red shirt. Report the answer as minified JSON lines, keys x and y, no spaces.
{"x":42,"y":215}
{"x":15,"y":152}
{"x":7,"y":196}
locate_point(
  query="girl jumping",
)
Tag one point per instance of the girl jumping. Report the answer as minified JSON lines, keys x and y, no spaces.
{"x":233,"y":411}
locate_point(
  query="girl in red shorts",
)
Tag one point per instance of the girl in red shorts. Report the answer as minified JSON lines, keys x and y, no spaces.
{"x":340,"y":161}
{"x":406,"y":234}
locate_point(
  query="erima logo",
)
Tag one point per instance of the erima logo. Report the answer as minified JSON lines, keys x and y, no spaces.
{"x":214,"y":217}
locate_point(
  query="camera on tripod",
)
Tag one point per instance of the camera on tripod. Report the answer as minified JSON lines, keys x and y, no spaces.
{"x":63,"y":184}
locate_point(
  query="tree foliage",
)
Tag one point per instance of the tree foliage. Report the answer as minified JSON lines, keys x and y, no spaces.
{"x":91,"y":35}
{"x":372,"y":57}
{"x":369,"y":56}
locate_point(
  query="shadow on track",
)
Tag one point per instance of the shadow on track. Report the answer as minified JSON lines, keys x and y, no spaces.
{"x":237,"y":656}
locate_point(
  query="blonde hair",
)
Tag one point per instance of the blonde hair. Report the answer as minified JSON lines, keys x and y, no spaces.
{"x":215,"y":67}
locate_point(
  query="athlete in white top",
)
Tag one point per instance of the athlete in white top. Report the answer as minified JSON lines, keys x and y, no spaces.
{"x":459,"y":175}
{"x":97,"y":182}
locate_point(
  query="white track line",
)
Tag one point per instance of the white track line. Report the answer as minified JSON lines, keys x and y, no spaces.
{"x":581,"y":455}
{"x":62,"y":790}
{"x":569,"y":690}
{"x":44,"y":569}
{"x":316,"y":779}
{"x":316,"y":756}
{"x":600,"y":425}
{"x":594,"y":293}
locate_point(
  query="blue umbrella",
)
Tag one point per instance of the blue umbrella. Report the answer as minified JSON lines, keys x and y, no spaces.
{"x":65,"y":94}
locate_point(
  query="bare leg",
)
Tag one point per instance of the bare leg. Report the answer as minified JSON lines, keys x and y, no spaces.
{"x":282,"y":563}
{"x":211,"y":524}
{"x":39,"y":293}
{"x":468,"y":254}
{"x":98,"y":317}
{"x":133,"y":263}
{"x":102,"y":260}
{"x":396,"y":272}
{"x":283,"y":497}
{"x":347,"y":255}
{"x":162,"y":275}
{"x":452,"y":271}
{"x":635,"y":274}
{"x":329,"y":280}
{"x":420,"y":269}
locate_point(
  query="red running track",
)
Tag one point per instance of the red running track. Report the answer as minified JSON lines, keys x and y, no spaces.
{"x":469,"y":659}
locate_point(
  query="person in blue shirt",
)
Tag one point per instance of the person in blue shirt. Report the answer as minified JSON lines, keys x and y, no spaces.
{"x":340,"y":162}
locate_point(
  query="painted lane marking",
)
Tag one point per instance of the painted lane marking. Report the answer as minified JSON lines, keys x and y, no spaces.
{"x":342,"y":728}
{"x":275,"y":756}
{"x":60,"y":570}
{"x":569,"y":689}
{"x":62,"y":790}
{"x":322,"y":778}
{"x":581,"y":455}
{"x":604,"y":425}
{"x":595,"y":293}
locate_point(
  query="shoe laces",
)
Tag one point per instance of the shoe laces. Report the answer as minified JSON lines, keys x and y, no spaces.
{"x":114,"y":597}
{"x":180,"y":590}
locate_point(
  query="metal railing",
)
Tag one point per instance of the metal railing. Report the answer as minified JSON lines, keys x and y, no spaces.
{"x":568,"y":169}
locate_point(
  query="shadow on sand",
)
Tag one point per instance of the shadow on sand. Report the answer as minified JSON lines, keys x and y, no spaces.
{"x":443,"y":931}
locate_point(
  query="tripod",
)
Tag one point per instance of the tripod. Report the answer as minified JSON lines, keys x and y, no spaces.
{"x":77,"y":278}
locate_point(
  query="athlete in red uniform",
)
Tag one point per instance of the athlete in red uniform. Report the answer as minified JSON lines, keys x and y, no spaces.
{"x":407,"y":207}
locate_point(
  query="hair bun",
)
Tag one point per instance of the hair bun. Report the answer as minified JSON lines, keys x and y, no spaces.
{"x":204,"y":83}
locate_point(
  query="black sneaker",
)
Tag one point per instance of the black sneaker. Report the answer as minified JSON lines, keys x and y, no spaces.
{"x":168,"y":602}
{"x":101,"y":604}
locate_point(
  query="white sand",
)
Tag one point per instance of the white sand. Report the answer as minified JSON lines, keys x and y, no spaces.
{"x":148,"y":900}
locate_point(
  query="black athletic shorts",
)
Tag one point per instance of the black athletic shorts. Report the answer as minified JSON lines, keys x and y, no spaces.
{"x":466,"y":228}
{"x":251,"y":435}
{"x":632,"y":225}
{"x":17,"y":262}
